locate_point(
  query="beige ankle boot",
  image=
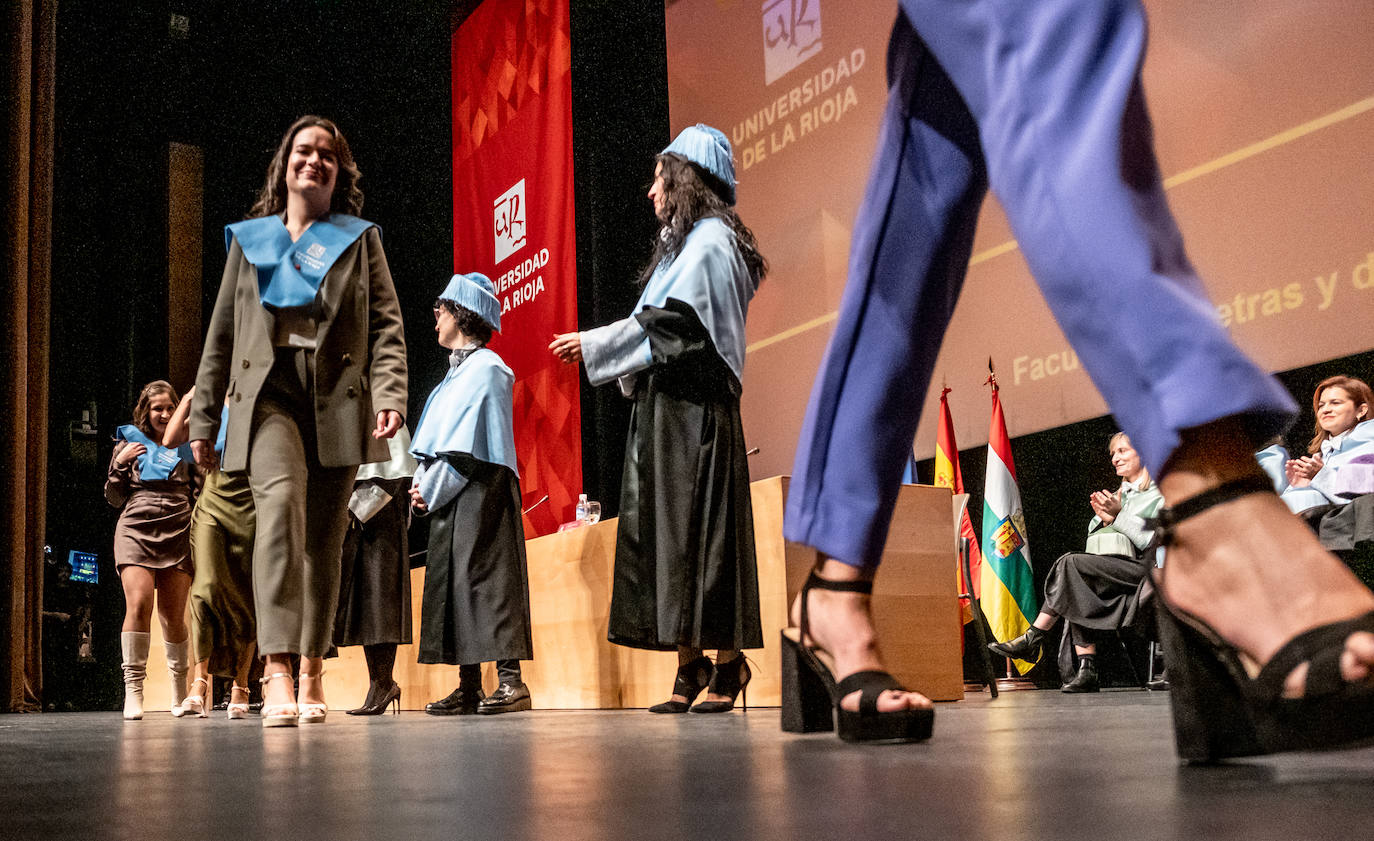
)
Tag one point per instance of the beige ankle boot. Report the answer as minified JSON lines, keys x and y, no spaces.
{"x":178,"y":664}
{"x":134,"y":645}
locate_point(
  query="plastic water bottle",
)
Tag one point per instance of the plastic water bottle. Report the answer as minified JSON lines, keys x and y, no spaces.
{"x":581,"y":514}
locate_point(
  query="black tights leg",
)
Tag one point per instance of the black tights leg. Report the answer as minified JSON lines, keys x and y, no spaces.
{"x":381,"y":660}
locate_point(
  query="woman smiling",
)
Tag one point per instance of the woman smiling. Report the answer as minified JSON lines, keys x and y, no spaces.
{"x":306,"y":348}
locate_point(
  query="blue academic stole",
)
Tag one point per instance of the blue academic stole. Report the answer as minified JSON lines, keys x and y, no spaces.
{"x":290,"y":273}
{"x":157,"y":462}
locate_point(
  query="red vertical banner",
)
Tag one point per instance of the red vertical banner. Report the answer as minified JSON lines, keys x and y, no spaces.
{"x":513,"y":221}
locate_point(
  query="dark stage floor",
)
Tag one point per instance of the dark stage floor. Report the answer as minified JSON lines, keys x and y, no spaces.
{"x":1031,"y":765}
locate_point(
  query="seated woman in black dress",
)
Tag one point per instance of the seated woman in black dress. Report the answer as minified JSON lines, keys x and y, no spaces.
{"x":1097,"y":590}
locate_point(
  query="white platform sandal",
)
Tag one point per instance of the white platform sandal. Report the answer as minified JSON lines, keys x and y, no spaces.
{"x":279,"y":715}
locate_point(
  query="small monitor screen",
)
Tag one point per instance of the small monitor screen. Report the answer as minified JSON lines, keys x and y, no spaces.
{"x":85,"y":566}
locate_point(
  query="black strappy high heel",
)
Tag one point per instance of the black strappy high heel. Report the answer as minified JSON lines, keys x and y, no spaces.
{"x":729,"y":679}
{"x":1220,"y":711}
{"x":691,"y":679}
{"x":811,"y":696}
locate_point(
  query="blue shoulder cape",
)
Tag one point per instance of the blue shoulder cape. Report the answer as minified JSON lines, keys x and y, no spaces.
{"x":470,"y":412}
{"x":710,"y":276}
{"x":158,"y":462}
{"x":290,"y":273}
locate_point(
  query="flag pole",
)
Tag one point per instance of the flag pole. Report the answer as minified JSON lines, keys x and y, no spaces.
{"x":1008,"y":683}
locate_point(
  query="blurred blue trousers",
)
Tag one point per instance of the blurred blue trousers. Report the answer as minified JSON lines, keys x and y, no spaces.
{"x":1041,"y":100}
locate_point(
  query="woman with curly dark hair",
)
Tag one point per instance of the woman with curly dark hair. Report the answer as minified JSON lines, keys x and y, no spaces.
{"x":306,"y":348}
{"x":685,"y":572}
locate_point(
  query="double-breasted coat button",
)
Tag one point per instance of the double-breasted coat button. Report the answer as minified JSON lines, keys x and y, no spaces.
{"x":245,"y":363}
{"x":351,"y":392}
{"x":238,"y":398}
{"x":347,"y":359}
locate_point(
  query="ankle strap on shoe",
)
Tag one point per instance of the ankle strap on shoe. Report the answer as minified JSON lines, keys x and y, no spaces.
{"x":1164,"y":522}
{"x":265,"y":678}
{"x":815,"y":582}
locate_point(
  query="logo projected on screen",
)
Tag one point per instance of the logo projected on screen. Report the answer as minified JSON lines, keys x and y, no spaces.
{"x":791,"y":35}
{"x":509,"y":214}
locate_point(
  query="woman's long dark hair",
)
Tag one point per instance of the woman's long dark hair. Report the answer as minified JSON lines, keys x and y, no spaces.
{"x":691,"y":194}
{"x":347,"y":197}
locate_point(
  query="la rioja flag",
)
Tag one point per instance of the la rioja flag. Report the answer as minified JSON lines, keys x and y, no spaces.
{"x":1008,"y":597}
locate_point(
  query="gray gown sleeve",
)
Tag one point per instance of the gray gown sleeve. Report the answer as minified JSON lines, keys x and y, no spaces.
{"x":615,"y":351}
{"x":438,"y":482}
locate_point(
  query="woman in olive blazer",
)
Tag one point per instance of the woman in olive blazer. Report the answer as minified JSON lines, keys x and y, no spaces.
{"x":306,"y":345}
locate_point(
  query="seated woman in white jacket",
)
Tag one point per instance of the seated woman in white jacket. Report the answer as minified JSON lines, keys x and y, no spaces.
{"x":1333,"y":486}
{"x":1098,"y":589}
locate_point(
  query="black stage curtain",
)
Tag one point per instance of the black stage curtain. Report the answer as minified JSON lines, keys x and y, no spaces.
{"x":620,"y":122}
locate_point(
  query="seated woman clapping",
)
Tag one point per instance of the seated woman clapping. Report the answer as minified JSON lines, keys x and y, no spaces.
{"x":1099,"y":589}
{"x":1331,"y":486}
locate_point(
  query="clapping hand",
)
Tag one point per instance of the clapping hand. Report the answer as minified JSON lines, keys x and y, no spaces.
{"x":1106,"y":505}
{"x":1299,"y":471}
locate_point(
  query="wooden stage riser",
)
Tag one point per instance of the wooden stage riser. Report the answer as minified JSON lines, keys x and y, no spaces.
{"x":574,"y":667}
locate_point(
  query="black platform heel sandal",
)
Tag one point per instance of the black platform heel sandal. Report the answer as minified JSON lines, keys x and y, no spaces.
{"x":811,"y":696}
{"x":1220,"y":710}
{"x":691,"y":679}
{"x":730,"y":679}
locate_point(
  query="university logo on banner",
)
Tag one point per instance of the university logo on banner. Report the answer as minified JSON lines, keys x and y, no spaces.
{"x":509,"y":213}
{"x":791,"y":35}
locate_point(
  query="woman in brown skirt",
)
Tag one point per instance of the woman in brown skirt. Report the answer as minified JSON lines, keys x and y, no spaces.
{"x":153,"y":487}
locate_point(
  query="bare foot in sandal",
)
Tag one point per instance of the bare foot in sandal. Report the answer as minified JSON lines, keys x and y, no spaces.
{"x":839,"y":624}
{"x":1249,"y":568}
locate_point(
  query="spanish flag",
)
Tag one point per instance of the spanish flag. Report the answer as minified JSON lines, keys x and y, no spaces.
{"x":1008,"y":596}
{"x":948,"y":475}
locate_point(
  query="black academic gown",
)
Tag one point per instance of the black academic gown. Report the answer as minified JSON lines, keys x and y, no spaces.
{"x":476,"y":605}
{"x":685,"y":571}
